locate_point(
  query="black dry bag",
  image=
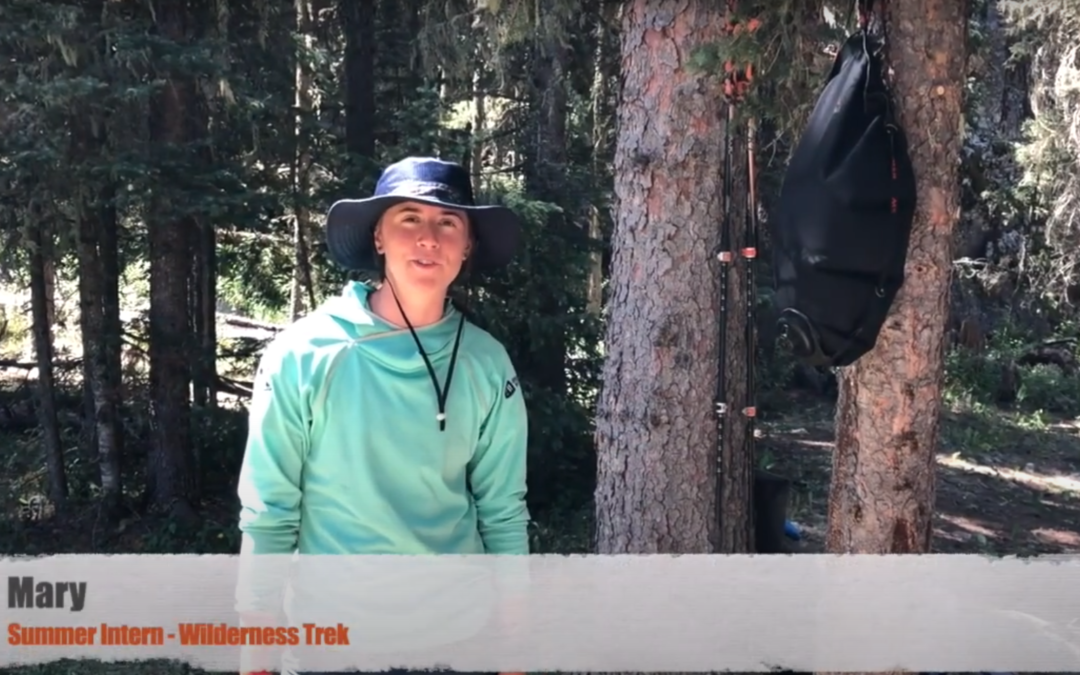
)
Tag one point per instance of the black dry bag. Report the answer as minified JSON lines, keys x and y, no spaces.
{"x":841,"y":227}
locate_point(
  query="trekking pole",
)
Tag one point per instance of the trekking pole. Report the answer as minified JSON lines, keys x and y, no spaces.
{"x":736,"y":82}
{"x":749,"y":254}
{"x":724,"y":256}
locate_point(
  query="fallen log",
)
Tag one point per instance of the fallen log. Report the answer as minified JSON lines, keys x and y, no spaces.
{"x":244,"y":322}
{"x":227,"y":385}
{"x":30,"y":365}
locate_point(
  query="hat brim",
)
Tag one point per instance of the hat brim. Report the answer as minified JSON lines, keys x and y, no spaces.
{"x":350,"y":222}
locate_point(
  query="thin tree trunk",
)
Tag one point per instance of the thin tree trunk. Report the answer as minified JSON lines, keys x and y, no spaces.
{"x":43,"y":348}
{"x":479,"y":121}
{"x":736,"y":461}
{"x":195,"y":315}
{"x":888,"y":415}
{"x":546,"y":180}
{"x":88,"y":440}
{"x":656,"y":436}
{"x":106,"y":371}
{"x":600,"y":121}
{"x":92,"y":303}
{"x":111,"y":396}
{"x":206,"y":290}
{"x":302,"y":275}
{"x":358,"y":23}
{"x":48,"y":240}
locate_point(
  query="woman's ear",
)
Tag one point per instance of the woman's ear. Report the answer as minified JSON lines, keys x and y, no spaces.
{"x":377,"y":236}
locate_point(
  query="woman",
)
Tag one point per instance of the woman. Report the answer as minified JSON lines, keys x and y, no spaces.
{"x":385,"y":421}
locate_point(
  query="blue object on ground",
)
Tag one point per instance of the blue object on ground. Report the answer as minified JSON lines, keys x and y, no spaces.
{"x":792,"y":530}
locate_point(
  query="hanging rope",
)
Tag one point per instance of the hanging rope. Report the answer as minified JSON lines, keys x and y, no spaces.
{"x":737,"y":81}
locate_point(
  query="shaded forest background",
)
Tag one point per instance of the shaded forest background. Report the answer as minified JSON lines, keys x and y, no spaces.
{"x":164,"y":170}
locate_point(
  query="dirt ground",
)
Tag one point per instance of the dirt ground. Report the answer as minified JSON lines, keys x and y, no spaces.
{"x":1007,"y":483}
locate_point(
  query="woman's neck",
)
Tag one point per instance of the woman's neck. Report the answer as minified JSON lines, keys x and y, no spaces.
{"x":421,"y":310}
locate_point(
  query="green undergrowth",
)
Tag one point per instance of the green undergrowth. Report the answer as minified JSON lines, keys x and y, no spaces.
{"x":996,"y":375}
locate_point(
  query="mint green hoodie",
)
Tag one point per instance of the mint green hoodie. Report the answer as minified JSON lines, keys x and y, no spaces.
{"x":345,"y":453}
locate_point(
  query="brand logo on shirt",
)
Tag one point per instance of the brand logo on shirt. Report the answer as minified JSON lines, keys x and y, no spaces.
{"x":511,"y":387}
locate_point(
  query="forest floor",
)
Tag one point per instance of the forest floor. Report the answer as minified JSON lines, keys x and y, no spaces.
{"x":1008,"y":483}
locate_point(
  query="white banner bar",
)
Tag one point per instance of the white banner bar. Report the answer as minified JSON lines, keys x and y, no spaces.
{"x":939,"y":613}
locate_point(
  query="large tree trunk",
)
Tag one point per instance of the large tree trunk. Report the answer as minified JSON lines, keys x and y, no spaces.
{"x":172,"y":472}
{"x":656,"y":431}
{"x":882,"y":494}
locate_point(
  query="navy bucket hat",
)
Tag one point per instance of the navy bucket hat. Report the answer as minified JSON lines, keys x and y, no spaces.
{"x":350,"y":223}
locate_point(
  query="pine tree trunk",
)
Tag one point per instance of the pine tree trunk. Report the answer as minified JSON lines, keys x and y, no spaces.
{"x":43,"y":349}
{"x":546,"y":179}
{"x":882,"y":494}
{"x":479,"y":120}
{"x":358,"y":23}
{"x":303,"y":286}
{"x":656,"y":430}
{"x":202,"y":269}
{"x":605,"y":76}
{"x":172,"y":479}
{"x":94,"y":296}
{"x":111,"y":398}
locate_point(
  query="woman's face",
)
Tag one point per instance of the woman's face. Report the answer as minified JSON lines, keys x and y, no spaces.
{"x":423,"y":245}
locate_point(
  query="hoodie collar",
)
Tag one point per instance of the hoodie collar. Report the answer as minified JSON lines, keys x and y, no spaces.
{"x":433,"y":348}
{"x":353,"y":306}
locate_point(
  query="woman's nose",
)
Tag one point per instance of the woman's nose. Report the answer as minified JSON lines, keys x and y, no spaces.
{"x":428,"y":235}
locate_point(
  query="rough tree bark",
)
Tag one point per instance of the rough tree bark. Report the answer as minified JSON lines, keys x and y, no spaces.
{"x":882,"y":494}
{"x":656,"y":430}
{"x":172,"y":481}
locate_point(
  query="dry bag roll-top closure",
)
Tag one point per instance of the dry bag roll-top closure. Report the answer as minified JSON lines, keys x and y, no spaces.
{"x":843,"y":220}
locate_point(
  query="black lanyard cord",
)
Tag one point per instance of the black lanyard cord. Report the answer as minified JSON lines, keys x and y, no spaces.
{"x":440,"y":393}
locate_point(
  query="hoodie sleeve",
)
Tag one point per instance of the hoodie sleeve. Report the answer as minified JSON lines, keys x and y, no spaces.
{"x":269,"y":484}
{"x":497,"y":471}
